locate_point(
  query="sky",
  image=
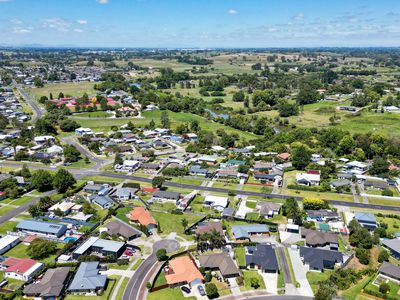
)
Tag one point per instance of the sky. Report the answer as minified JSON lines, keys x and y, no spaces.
{"x":200,"y":23}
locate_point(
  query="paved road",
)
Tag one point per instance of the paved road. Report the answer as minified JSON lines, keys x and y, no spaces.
{"x":22,"y":208}
{"x":284,"y":264}
{"x":89,"y":171}
{"x":136,"y":286}
{"x":37,"y":111}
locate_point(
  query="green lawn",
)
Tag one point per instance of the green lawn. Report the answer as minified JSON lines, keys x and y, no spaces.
{"x":247,"y":275}
{"x":94,"y":114}
{"x":20,"y":251}
{"x":240,"y":256}
{"x":80,"y":164}
{"x":352,"y":293}
{"x":137,"y":264}
{"x":393,"y":224}
{"x":251,"y":204}
{"x":160,"y":280}
{"x":7,"y":226}
{"x":394,"y":288}
{"x":314,"y":278}
{"x":6,"y":209}
{"x":168,"y":294}
{"x":173,"y":223}
{"x":68,"y":88}
{"x":122,"y":288}
{"x":104,"y":179}
{"x":22,"y":200}
{"x":104,"y":124}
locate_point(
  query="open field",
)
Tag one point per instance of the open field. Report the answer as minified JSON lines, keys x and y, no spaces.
{"x":173,"y":223}
{"x":68,"y":88}
{"x":104,"y":124}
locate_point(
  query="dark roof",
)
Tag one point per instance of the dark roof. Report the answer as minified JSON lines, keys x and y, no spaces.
{"x":228,"y":212}
{"x":167,"y":195}
{"x":340,"y":182}
{"x":393,"y":244}
{"x":222,"y":261}
{"x":209,"y":227}
{"x":376,"y":184}
{"x":319,"y":238}
{"x":263,"y":256}
{"x":265,"y":176}
{"x":51,"y":284}
{"x":317,"y":258}
{"x":390,"y":270}
{"x":150,"y":166}
{"x":117,"y":227}
{"x":322,"y":213}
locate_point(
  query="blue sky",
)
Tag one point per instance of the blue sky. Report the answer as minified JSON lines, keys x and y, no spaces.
{"x":200,"y":23}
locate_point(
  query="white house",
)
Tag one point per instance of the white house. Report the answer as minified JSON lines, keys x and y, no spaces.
{"x":216,"y":202}
{"x":43,"y":139}
{"x":55,"y":150}
{"x":21,"y":269}
{"x":130,"y":165}
{"x":309,"y":179}
{"x":7,"y":242}
{"x":83,"y":131}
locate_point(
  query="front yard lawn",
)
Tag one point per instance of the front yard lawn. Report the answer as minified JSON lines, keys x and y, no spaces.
{"x":168,"y":294}
{"x":173,"y":223}
{"x":240,"y":255}
{"x":314,"y":278}
{"x":248,"y":275}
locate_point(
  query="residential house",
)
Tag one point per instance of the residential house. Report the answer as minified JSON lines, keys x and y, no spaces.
{"x":216,"y":202}
{"x":316,"y":238}
{"x":268,"y":209}
{"x":165,"y":196}
{"x":208,"y":159}
{"x":246,"y":232}
{"x":268,"y":178}
{"x":197,"y":170}
{"x":263,"y":167}
{"x":49,"y":229}
{"x":340,"y":184}
{"x":209,"y":227}
{"x":310,"y":178}
{"x":376,"y":184}
{"x":50,"y":286}
{"x":390,"y":270}
{"x":347,"y":176}
{"x":230,"y":174}
{"x":228,"y":212}
{"x":87,"y":279}
{"x":95,"y":245}
{"x":123,"y":230}
{"x":182,"y":270}
{"x":124,"y":193}
{"x":322,"y":215}
{"x":262,"y":257}
{"x":150,"y":167}
{"x":64,"y":207}
{"x":320,"y":259}
{"x":130,"y":165}
{"x":20,"y":268}
{"x":141,"y":216}
{"x":393,"y":246}
{"x":356,"y":167}
{"x":234,"y":163}
{"x":93,"y":188}
{"x":104,"y":202}
{"x":220,"y":262}
{"x":283,"y":156}
{"x":366,"y":220}
{"x":7,"y":242}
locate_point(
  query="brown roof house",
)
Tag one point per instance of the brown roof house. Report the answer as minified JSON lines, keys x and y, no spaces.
{"x":316,"y":238}
{"x":50,"y":286}
{"x":122,"y":229}
{"x":209,"y":227}
{"x":221,"y":262}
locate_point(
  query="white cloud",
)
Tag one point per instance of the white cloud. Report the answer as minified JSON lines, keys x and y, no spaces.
{"x":22,"y":30}
{"x":82,"y":22}
{"x":57,"y":24}
{"x":5,"y":0}
{"x":78,"y":30}
{"x":298,"y":17}
{"x":102,"y":1}
{"x":16,"y":21}
{"x":232,"y":11}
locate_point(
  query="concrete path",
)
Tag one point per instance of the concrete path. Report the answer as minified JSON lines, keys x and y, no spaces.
{"x":354,"y":192}
{"x":284,"y":264}
{"x":363,"y":194}
{"x":118,"y":272}
{"x":301,"y":273}
{"x":271,"y":282}
{"x":275,"y":189}
{"x":235,"y":289}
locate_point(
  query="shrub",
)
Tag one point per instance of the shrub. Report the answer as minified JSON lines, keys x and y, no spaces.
{"x":384,"y":288}
{"x":161,"y":254}
{"x":211,"y":290}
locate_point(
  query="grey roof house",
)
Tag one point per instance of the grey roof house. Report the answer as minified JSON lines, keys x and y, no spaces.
{"x":366,"y":220}
{"x":50,"y":286}
{"x":102,"y":201}
{"x":122,"y":229}
{"x":263,"y":257}
{"x":87,"y":279}
{"x":268,"y":208}
{"x":316,"y":238}
{"x":103,"y":247}
{"x":221,"y":262}
{"x":390,"y":270}
{"x":319,"y":259}
{"x":243,"y":232}
{"x":394,"y":247}
{"x":42,"y":228}
{"x":166,"y":196}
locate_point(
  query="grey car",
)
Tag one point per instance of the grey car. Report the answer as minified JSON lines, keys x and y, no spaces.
{"x":201,"y":290}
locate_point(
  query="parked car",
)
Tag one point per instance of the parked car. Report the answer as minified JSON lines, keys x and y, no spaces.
{"x":201,"y":290}
{"x":185,"y":289}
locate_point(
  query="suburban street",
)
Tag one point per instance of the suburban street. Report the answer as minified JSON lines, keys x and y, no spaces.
{"x":136,"y":287}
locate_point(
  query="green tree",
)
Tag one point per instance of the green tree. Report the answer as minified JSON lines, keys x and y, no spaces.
{"x":291,"y":210}
{"x":40,"y":248}
{"x":212,"y":290}
{"x":157,"y":181}
{"x":184,"y":223}
{"x":42,"y":180}
{"x":301,"y":156}
{"x":384,"y":288}
{"x":161,"y":254}
{"x":63,"y":180}
{"x":254,"y":282}
{"x":380,"y":165}
{"x":238,"y":96}
{"x":383,"y":256}
{"x":165,"y":122}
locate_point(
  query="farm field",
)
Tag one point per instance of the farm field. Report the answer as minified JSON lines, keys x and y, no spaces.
{"x":68,"y":88}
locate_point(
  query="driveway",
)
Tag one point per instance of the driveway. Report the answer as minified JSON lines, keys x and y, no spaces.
{"x":271,"y":281}
{"x":235,"y":289}
{"x":263,"y":239}
{"x":284,"y":264}
{"x":300,"y":273}
{"x":289,"y":237}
